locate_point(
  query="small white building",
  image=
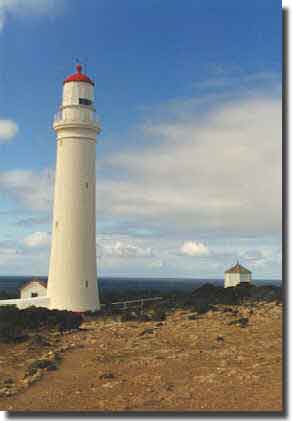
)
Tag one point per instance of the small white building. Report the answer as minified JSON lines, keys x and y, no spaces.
{"x":237,"y":275}
{"x":32,"y":293}
{"x":33,"y":288}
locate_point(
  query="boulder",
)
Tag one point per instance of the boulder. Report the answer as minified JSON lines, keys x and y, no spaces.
{"x":220,"y":338}
{"x":39,"y":341}
{"x":107,"y":376}
{"x":192,"y":316}
{"x":147,"y":331}
{"x":267,"y":293}
{"x":49,"y":363}
{"x":241,"y":322}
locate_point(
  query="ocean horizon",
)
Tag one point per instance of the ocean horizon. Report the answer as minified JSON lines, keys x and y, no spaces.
{"x":12,"y":283}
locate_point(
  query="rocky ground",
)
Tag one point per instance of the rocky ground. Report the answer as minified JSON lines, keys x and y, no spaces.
{"x":227,"y":359}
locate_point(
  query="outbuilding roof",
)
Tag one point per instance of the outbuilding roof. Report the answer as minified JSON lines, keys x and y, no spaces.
{"x":29,"y":281}
{"x":238,"y":269}
{"x":78,"y":76}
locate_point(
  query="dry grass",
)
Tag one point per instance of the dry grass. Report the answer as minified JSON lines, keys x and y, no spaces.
{"x":205,"y":364}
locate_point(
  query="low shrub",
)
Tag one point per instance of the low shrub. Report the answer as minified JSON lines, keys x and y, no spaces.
{"x":157,"y":314}
{"x":201,"y":308}
{"x":14,"y":322}
{"x":129,"y":315}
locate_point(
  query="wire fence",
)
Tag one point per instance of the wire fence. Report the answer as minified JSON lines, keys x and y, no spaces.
{"x":130,"y":304}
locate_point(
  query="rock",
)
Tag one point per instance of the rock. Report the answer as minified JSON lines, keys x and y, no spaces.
{"x":110,"y":385}
{"x":52,"y":367}
{"x":229,"y":310}
{"x":266,"y":293}
{"x":157,"y":313}
{"x":39,"y":340}
{"x":11,"y":333}
{"x":210,"y":294}
{"x":241,"y":322}
{"x":3,"y":391}
{"x":33,"y":378}
{"x":25,"y":382}
{"x":49,"y":363}
{"x":147,"y":331}
{"x":36,"y":377}
{"x":129,"y":315}
{"x":8,"y":382}
{"x":220,"y":338}
{"x":202,"y":308}
{"x":144,"y":317}
{"x":63,"y":348}
{"x":107,"y":376}
{"x":193,"y":317}
{"x":30,"y":371}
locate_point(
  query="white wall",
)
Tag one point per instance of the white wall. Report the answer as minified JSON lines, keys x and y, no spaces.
{"x":28,"y":302}
{"x":33,"y":287}
{"x":72,"y":91}
{"x":233,"y":279}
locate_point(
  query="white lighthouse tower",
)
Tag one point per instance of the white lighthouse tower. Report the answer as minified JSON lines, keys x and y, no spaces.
{"x":72,"y":283}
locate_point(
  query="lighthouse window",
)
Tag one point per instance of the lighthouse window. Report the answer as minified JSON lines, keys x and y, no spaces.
{"x":34,"y":294}
{"x":86,"y":185}
{"x":84,"y":101}
{"x":86,"y":284}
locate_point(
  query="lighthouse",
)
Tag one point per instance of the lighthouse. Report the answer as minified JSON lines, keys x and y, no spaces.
{"x":72,"y":283}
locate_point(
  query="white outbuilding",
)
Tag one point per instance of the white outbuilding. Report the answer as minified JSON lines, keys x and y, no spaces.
{"x":237,"y":275}
{"x":33,"y":288}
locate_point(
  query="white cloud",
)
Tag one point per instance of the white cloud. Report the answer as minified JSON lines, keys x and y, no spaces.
{"x":124,"y":250}
{"x":216,"y":176}
{"x":193,"y":248}
{"x":236,"y":78}
{"x":37,"y":239}
{"x":8,"y":128}
{"x":26,"y":222}
{"x":8,"y":255}
{"x":156,"y":264}
{"x":34,"y":190}
{"x":220,"y":174}
{"x":28,"y":8}
{"x":260,"y":259}
{"x":17,"y":258}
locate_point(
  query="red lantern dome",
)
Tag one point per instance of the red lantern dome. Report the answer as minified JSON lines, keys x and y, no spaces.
{"x":78,"y":77}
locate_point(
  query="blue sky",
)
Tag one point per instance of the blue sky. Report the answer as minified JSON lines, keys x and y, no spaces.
{"x":189,"y":160}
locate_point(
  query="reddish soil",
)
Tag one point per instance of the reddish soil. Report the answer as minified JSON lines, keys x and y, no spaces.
{"x":206,"y":364}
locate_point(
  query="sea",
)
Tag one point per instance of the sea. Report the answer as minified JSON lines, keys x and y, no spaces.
{"x":11,"y":284}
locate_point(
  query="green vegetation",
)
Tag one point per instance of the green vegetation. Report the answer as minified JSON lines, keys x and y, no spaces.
{"x":15,"y":323}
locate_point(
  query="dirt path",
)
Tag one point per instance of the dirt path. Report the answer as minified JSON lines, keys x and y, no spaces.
{"x":205,"y":364}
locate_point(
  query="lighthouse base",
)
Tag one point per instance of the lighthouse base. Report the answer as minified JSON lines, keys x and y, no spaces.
{"x":78,"y":308}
